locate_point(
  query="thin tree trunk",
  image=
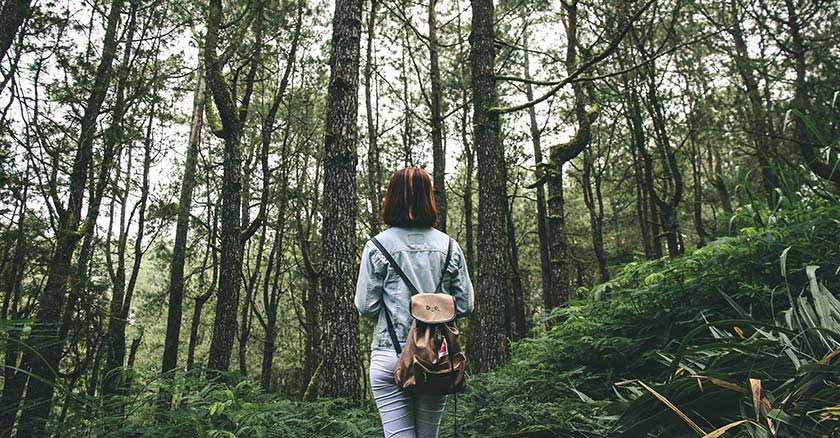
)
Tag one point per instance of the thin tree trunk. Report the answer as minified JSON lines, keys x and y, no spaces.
{"x":641,"y":192}
{"x":536,"y":134}
{"x":13,"y":379}
{"x":121,"y":301}
{"x":438,"y":151}
{"x":341,"y":372}
{"x":719,"y":183}
{"x":469,"y":152}
{"x":697,"y":188}
{"x":374,"y":167}
{"x":46,"y":352}
{"x":595,"y":206}
{"x":666,"y":205}
{"x":758,"y":113}
{"x":519,"y":326}
{"x":179,"y":249}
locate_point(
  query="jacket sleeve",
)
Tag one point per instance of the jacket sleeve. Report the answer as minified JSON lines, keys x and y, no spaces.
{"x":370,"y":283}
{"x":460,"y":285}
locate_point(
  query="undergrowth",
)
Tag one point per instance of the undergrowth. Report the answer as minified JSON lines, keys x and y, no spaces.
{"x":666,"y":348}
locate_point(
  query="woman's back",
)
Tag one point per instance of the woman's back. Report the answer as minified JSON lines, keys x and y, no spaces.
{"x":420,"y":253}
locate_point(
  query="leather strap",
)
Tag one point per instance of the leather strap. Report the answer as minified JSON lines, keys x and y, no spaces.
{"x":445,"y":264}
{"x":391,"y":332}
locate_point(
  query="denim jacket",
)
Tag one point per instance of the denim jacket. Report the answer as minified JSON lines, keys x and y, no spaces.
{"x":420,"y":252}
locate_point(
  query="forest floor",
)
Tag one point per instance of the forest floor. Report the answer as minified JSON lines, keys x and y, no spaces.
{"x":678,"y":347}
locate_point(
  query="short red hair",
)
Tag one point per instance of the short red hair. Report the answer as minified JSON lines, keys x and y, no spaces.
{"x":410,"y":200}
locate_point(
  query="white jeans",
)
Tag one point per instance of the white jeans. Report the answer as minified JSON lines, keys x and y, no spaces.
{"x":402,"y":416}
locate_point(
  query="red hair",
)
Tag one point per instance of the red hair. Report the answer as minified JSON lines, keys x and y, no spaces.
{"x":410,"y":200}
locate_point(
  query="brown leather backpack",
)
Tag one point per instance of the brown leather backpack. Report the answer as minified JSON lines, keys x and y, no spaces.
{"x":432,"y":361}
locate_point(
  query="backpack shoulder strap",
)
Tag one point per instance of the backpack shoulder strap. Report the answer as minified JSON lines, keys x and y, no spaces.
{"x":445,"y":264}
{"x":391,"y":332}
{"x":394,"y":265}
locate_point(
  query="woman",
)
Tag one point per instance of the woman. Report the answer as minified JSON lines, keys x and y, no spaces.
{"x":420,"y":250}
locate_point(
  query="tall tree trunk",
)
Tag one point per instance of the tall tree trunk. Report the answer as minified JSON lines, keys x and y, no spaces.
{"x":115,"y":382}
{"x":595,"y":206}
{"x":641,"y":192}
{"x":233,"y":117}
{"x":697,"y":188}
{"x":519,"y":325}
{"x":803,"y":139}
{"x":646,"y":170}
{"x":311,"y":302}
{"x":14,"y":380}
{"x":667,"y":203}
{"x":469,"y":151}
{"x":12,"y":16}
{"x":438,"y":151}
{"x":341,"y":371}
{"x":179,"y":250}
{"x":559,"y":155}
{"x":47,"y":348}
{"x":718,"y":181}
{"x":270,"y":291}
{"x":195,"y":324}
{"x":374,"y":167}
{"x":489,"y":350}
{"x":536,"y":134}
{"x":758,"y":113}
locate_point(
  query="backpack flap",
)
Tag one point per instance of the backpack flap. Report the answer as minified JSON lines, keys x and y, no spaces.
{"x":433,"y":308}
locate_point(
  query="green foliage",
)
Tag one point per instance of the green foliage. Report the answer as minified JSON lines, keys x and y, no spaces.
{"x":691,"y":332}
{"x":237,"y":408}
{"x":565,"y":383}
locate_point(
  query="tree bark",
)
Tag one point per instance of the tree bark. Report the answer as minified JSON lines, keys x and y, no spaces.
{"x":595,"y":206}
{"x":12,"y":16}
{"x":536,"y":134}
{"x":490,"y":349}
{"x":519,"y":326}
{"x":176,"y":268}
{"x":559,"y":155}
{"x":13,"y":379}
{"x":46,"y":347}
{"x":758,"y":113}
{"x":233,"y":117}
{"x":341,"y":371}
{"x":374,"y":167}
{"x":438,"y":151}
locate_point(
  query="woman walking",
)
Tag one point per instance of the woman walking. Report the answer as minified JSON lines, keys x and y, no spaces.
{"x":421,"y":252}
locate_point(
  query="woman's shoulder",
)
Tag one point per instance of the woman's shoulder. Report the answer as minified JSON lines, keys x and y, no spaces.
{"x":399,"y":236}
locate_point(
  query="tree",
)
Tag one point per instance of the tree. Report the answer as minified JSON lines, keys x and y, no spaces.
{"x":12,"y":17}
{"x":488,"y":351}
{"x":46,"y":347}
{"x":542,"y":222}
{"x":175,"y":290}
{"x":233,"y":116}
{"x":340,"y":371}
{"x":438,"y":151}
{"x":374,"y":165}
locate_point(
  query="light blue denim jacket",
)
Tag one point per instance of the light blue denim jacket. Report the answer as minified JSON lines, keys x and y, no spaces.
{"x":420,"y":253}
